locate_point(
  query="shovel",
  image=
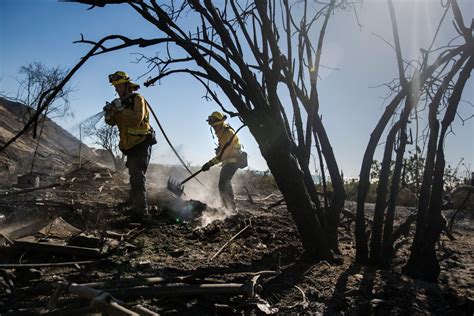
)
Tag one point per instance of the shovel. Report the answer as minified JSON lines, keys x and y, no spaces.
{"x":178,"y":187}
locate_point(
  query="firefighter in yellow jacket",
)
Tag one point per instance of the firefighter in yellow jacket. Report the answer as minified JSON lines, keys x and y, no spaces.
{"x":130,"y":113}
{"x":227,"y":152}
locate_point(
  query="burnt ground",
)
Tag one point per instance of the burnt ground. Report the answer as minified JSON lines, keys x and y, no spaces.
{"x":176,"y":247}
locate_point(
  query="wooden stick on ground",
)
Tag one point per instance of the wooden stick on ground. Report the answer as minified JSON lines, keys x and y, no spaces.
{"x":57,"y":249}
{"x":229,"y":241}
{"x":100,"y":300}
{"x":270,"y":196}
{"x":7,"y":239}
{"x":43,"y":265}
{"x":12,"y":193}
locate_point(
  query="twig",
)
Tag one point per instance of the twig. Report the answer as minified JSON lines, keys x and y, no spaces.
{"x":131,"y":231}
{"x":276,"y":203}
{"x":229,"y":241}
{"x":304,"y":303}
{"x":7,"y":239}
{"x":143,"y":310}
{"x":469,"y":190}
{"x":266,"y":198}
{"x":248,"y":194}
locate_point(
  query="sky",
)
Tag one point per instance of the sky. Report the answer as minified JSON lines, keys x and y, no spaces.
{"x":358,"y":62}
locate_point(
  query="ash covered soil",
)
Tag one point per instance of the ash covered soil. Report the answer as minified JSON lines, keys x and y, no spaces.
{"x":178,"y":247}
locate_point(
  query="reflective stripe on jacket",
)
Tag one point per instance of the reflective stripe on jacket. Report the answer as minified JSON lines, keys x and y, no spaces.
{"x":232,"y":151}
{"x":133,"y":121}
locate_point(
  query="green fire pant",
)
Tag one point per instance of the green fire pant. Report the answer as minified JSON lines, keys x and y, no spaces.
{"x":138,"y":159}
{"x":225,"y":185}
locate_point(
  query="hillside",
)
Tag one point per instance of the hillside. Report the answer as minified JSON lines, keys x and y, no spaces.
{"x":58,"y":150}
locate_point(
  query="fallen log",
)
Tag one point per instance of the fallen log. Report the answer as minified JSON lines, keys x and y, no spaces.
{"x":17,"y":192}
{"x":106,"y":301}
{"x":247,"y":289}
{"x":100,"y":300}
{"x":57,"y":249}
{"x":137,"y":282}
{"x":43,"y":265}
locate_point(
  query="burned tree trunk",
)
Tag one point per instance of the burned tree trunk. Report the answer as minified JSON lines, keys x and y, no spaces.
{"x":339,"y":195}
{"x":275,"y":147}
{"x":423,"y":262}
{"x":362,"y":250}
{"x":411,"y":101}
{"x":381,"y":202}
{"x":388,"y":238}
{"x":418,"y":82}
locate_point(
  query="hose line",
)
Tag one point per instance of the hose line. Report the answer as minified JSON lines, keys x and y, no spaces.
{"x":171,"y":145}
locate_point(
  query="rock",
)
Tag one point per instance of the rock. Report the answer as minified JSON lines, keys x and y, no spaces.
{"x":358,"y":277}
{"x":144,"y":263}
{"x":266,"y":308}
{"x":377,"y":302}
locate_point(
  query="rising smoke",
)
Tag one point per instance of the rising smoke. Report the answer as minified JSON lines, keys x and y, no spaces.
{"x":207,"y":192}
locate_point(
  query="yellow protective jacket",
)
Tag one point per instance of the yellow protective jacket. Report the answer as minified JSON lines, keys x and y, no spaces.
{"x":133,"y":121}
{"x":232,"y":151}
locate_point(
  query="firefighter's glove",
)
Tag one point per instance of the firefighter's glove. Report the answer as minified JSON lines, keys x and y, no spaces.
{"x":206,"y":166}
{"x":117,"y":105}
{"x":108,"y":115}
{"x":108,"y":107}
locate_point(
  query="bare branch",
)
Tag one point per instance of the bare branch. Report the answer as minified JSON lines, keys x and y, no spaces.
{"x":398,"y":49}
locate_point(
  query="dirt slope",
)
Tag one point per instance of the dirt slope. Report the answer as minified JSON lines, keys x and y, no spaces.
{"x":58,"y":149}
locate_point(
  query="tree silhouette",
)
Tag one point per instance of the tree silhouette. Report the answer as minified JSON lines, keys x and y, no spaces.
{"x":107,"y":137}
{"x":432,"y":85}
{"x":253,"y":54}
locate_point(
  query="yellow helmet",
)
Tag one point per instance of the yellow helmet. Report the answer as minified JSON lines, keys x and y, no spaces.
{"x":119,"y":77}
{"x":216,"y":118}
